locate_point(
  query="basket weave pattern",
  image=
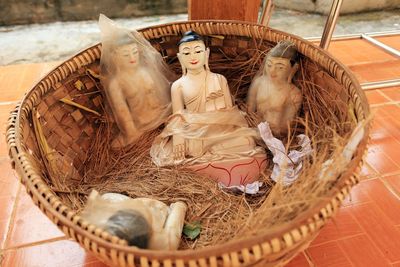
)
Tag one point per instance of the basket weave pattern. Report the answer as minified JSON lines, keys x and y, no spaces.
{"x":69,"y":131}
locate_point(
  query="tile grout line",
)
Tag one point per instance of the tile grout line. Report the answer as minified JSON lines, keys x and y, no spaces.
{"x":389,"y":173}
{"x":6,"y":103}
{"x":379,"y":176}
{"x":385,"y":96}
{"x":378,"y":248}
{"x":384,"y":104}
{"x":392,"y":190}
{"x":13,"y":215}
{"x":346,"y":255}
{"x":308,"y":259}
{"x":338,"y":239}
{"x":369,"y":62}
{"x":37,"y":243}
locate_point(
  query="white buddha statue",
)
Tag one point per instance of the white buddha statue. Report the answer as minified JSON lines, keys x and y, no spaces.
{"x":206,"y":131}
{"x":135,"y":81}
{"x":272,"y":94}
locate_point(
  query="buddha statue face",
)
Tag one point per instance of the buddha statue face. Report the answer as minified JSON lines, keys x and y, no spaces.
{"x":279,"y":69}
{"x":127,"y":56}
{"x":281,"y":62}
{"x":193,"y":55}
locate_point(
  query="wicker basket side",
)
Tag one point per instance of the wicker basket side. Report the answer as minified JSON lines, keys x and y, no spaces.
{"x":70,"y":130}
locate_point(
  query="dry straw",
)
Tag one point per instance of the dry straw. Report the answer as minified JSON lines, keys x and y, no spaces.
{"x":224,"y":216}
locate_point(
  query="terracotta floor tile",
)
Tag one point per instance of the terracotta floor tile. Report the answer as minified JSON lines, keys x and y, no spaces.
{"x":8,"y":179}
{"x":394,"y":182}
{"x":392,"y":125}
{"x":391,"y":148}
{"x":379,"y":113}
{"x":392,"y":111}
{"x":374,"y":147}
{"x":341,"y":226}
{"x":384,"y":199}
{"x":376,"y":71}
{"x":393,"y":93}
{"x":358,"y":195}
{"x":328,"y":255}
{"x":8,"y":192}
{"x":64,"y":253}
{"x":392,"y":41}
{"x":362,"y":252}
{"x":30,"y":224}
{"x":367,"y":172}
{"x":354,"y":51}
{"x":375,"y":97}
{"x":378,"y":130}
{"x":379,"y":228}
{"x":299,"y":261}
{"x":95,"y":263}
{"x":4,"y":226}
{"x":16,"y":80}
{"x":382,"y":163}
{"x":10,"y":83}
{"x":4,"y":115}
{"x":386,"y":117}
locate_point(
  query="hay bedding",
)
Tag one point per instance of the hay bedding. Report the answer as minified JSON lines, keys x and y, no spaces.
{"x":224,"y":216}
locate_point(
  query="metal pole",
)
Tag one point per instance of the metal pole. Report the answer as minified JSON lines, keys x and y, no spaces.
{"x":355,"y":36}
{"x":266,"y":12}
{"x":381,"y":45}
{"x":380,"y":84}
{"x":330,"y":24}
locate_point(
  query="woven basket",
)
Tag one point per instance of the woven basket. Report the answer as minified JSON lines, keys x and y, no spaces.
{"x":70,"y":130}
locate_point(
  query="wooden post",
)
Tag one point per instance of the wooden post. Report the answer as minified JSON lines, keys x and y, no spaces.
{"x":244,"y":10}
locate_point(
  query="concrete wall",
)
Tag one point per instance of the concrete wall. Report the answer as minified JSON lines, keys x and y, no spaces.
{"x":348,"y":6}
{"x":40,"y":11}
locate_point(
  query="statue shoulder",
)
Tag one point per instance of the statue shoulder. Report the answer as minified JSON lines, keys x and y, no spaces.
{"x":114,"y":83}
{"x":296,"y":94}
{"x":257,"y":82}
{"x":220,"y":77}
{"x":177,"y":85}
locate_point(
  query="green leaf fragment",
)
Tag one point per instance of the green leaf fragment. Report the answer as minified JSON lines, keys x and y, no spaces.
{"x":192,"y":230}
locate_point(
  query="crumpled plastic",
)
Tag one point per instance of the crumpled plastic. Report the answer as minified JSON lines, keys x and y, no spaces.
{"x":341,"y":161}
{"x":287,"y":166}
{"x":250,"y":189}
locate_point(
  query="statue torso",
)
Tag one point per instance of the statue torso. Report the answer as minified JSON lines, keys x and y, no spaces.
{"x":203,"y":93}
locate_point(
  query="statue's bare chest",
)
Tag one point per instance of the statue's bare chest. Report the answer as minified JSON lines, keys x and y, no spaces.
{"x":271,"y":99}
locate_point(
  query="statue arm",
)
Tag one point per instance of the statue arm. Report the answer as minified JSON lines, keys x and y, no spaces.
{"x":120,"y":108}
{"x":227,"y":92}
{"x":293,"y":105}
{"x":148,"y":81}
{"x":178,"y":142}
{"x":174,"y":224}
{"x":252,"y":96}
{"x":177,"y":98}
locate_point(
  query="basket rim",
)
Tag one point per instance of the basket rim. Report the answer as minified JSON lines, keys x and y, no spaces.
{"x":342,"y":186}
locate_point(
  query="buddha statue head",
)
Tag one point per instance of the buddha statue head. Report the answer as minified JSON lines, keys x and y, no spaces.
{"x":281,"y":62}
{"x":125,"y":53}
{"x":193,"y":54}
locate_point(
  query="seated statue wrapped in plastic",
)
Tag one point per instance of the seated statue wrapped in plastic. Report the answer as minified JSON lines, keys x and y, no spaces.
{"x":135,"y":80}
{"x":207,"y":132}
{"x":272,"y":93}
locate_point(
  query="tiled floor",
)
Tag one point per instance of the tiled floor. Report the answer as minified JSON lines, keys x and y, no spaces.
{"x":365,"y":232}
